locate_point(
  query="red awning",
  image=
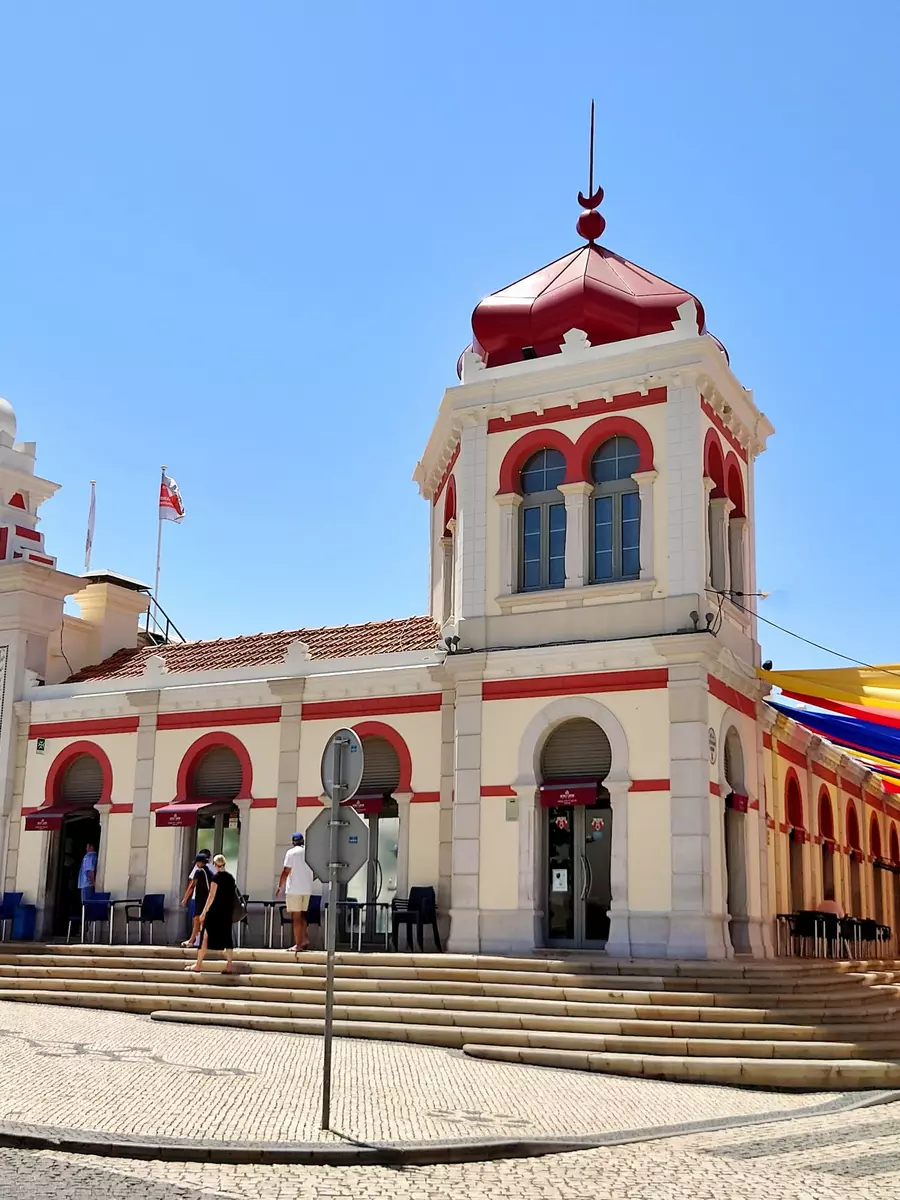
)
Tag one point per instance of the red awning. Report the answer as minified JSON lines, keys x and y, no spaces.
{"x":50,"y":817}
{"x":580,"y":792}
{"x":181,"y":814}
{"x":366,"y":805}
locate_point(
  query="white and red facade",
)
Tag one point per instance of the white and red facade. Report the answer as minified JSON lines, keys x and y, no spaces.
{"x":584,"y":760}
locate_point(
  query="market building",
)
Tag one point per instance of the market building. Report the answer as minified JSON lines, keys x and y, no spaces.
{"x":572,"y":747}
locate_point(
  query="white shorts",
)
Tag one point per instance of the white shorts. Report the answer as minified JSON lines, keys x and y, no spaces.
{"x":296,"y":904}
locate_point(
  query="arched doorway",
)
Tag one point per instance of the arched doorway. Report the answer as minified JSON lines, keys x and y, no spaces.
{"x":78,"y":789}
{"x":376,"y":883}
{"x":577,"y":829}
{"x":894,"y":845}
{"x":877,"y":869}
{"x":216,"y":777}
{"x":826,"y":833}
{"x":735,"y":849}
{"x":853,"y":841}
{"x":796,"y":838}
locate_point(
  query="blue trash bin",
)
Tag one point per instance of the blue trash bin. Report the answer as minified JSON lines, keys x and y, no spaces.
{"x":24,"y":923}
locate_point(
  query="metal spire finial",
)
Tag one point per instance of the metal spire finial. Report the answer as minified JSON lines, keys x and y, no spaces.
{"x":591,"y":223}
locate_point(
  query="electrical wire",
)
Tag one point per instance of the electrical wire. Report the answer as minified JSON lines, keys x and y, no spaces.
{"x":799,"y":636}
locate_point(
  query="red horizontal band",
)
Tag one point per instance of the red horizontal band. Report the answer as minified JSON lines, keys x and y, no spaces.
{"x":375,"y":706}
{"x":219,"y":718}
{"x":731,"y":696}
{"x":426,"y":798}
{"x":568,"y":685}
{"x":500,"y":789}
{"x":264,"y":802}
{"x":309,"y":802}
{"x":66,"y":729}
{"x":587,"y":408}
{"x":649,"y":785}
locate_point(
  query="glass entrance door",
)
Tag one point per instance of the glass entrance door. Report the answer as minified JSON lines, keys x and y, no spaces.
{"x":376,"y":882}
{"x":578,"y":840}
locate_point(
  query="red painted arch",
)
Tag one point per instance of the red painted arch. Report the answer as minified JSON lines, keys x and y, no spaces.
{"x":520,"y":452}
{"x":450,"y":502}
{"x":852,"y":827}
{"x":601,"y":431}
{"x":64,"y":760}
{"x":714,"y":463}
{"x":734,"y":484}
{"x":793,"y":800}
{"x":874,"y":837}
{"x":196,"y":751}
{"x":894,"y":844}
{"x":378,"y":729}
{"x":826,"y":816}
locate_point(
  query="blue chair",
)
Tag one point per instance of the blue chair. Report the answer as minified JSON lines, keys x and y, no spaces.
{"x":151,"y":908}
{"x":94,"y":912}
{"x":8,"y":906}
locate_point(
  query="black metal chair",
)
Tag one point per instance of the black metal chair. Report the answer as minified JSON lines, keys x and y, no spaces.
{"x":151,"y":909}
{"x":419,"y":909}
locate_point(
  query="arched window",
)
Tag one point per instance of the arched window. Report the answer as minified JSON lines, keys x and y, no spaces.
{"x":796,"y":837}
{"x":877,"y":868}
{"x":543,"y":522}
{"x":853,"y":841}
{"x":82,"y":781}
{"x":616,"y":527}
{"x":217,"y":775}
{"x":826,"y":833}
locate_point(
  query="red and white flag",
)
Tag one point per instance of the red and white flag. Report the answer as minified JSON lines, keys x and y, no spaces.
{"x":171,"y":506}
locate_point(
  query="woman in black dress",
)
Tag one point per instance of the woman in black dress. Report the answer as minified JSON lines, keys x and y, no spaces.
{"x":217,"y":917}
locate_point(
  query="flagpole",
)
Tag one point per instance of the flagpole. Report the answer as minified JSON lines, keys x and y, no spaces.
{"x":89,"y":539}
{"x":162,"y":478}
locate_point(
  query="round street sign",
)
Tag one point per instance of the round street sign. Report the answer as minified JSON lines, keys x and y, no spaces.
{"x":350,"y":764}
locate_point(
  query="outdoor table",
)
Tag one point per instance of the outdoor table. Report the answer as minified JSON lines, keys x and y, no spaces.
{"x":113,"y":905}
{"x":359,"y":918}
{"x":269,"y":908}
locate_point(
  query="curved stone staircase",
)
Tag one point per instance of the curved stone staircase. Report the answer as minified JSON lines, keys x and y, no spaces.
{"x":761,"y":1024}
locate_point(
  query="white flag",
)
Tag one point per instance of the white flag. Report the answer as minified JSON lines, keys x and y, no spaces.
{"x":89,"y":540}
{"x":171,"y":506}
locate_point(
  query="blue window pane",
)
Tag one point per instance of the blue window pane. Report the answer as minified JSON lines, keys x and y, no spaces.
{"x":617,"y":458}
{"x":631,"y":506}
{"x":531,"y":548}
{"x":556,"y":567}
{"x":543,"y":472}
{"x":531,"y":576}
{"x":631,"y":562}
{"x":603,"y":537}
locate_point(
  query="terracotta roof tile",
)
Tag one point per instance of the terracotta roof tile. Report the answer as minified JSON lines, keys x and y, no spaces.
{"x":260,"y":649}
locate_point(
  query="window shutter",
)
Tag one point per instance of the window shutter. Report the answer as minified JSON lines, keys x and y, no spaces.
{"x":82,"y":782}
{"x":381,"y":768}
{"x":579,"y":749}
{"x":217,"y":775}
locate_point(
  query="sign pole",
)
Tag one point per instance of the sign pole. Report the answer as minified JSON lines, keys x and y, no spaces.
{"x":337,"y":795}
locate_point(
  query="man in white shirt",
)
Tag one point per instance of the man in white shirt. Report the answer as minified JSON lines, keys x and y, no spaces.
{"x":297,"y":882}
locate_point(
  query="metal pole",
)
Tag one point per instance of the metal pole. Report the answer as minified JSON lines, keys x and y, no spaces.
{"x":338,"y":791}
{"x":158,"y":540}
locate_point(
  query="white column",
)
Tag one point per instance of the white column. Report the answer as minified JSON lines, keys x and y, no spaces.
{"x":100,"y":873}
{"x":720,"y":508}
{"x":737,"y":553}
{"x":708,"y":485}
{"x":509,"y":542}
{"x":465,"y":924}
{"x":618,"y":944}
{"x":645,"y":480}
{"x":578,"y":507}
{"x":403,"y":801}
{"x":243,"y":807}
{"x":448,"y":576}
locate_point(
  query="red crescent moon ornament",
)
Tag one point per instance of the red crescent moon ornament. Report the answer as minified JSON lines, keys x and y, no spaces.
{"x":590,"y":224}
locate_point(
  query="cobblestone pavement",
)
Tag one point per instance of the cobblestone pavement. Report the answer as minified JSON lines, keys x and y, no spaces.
{"x":843,"y":1156}
{"x":119,"y":1073}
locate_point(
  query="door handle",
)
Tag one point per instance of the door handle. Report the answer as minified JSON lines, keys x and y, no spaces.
{"x":584,"y":876}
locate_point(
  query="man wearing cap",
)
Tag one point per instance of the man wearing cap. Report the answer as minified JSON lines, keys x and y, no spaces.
{"x":297,"y":883}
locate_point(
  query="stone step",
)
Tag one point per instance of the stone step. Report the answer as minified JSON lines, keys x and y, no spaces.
{"x":350,"y":1022}
{"x":784,"y":1074}
{"x":499,"y":1012}
{"x":869,"y":1002}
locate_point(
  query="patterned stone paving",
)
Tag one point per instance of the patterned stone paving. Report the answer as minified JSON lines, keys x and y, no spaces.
{"x":120,"y":1073}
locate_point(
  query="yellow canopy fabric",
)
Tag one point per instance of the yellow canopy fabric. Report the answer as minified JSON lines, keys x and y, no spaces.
{"x":864,"y":687}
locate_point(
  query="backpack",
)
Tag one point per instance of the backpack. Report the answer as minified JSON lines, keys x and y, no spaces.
{"x":239,"y":911}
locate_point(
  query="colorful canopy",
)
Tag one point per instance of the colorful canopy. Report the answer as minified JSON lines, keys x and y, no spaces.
{"x":862,"y":712}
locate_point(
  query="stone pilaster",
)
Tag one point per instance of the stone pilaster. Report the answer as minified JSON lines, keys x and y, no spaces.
{"x":509,"y":542}
{"x":404,"y":800}
{"x":100,"y":873}
{"x":245,"y":810}
{"x":618,"y":944}
{"x":290,"y":693}
{"x":719,"y":509}
{"x":578,"y":526}
{"x":146,"y":703}
{"x":696,"y":930}
{"x":465,"y":931}
{"x":645,"y":481}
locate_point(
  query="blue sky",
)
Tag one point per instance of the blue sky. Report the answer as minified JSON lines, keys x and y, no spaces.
{"x":245,"y":240}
